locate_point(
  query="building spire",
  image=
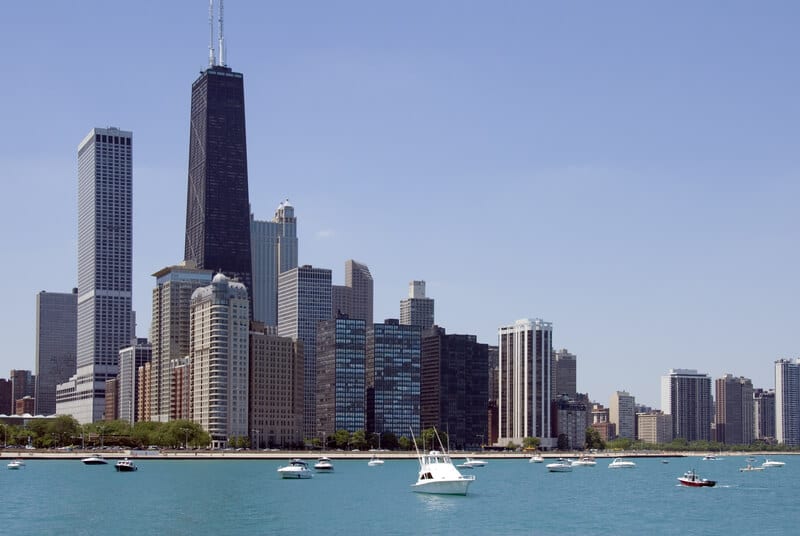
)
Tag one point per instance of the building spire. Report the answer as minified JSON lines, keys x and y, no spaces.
{"x":211,"y":60}
{"x":221,"y":36}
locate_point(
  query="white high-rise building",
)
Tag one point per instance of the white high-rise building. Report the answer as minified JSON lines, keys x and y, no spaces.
{"x":417,"y":310}
{"x":622,"y":413}
{"x":686,"y":396}
{"x":219,"y":353}
{"x":105,"y":251}
{"x":787,"y":401}
{"x":304,"y":300}
{"x":525,"y":356}
{"x":274,"y":250}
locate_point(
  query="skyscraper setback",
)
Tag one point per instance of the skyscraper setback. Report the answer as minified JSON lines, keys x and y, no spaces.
{"x":217,"y":204}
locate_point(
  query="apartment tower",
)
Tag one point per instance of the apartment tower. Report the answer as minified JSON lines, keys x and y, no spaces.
{"x":219,"y":353}
{"x":170,"y":330}
{"x":787,"y":401}
{"x":454,"y":387}
{"x":734,"y":410}
{"x":622,"y":413}
{"x":341,"y":380}
{"x":686,"y":397}
{"x":525,"y":393}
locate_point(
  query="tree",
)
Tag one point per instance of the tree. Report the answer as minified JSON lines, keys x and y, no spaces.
{"x":531,"y":443}
{"x":593,"y":439}
{"x":404,"y":443}
{"x":342,"y":439}
{"x":359,"y":440}
{"x":429,"y":438}
{"x":64,"y":428}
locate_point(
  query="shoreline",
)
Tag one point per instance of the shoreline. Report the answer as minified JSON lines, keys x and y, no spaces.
{"x":114,"y":454}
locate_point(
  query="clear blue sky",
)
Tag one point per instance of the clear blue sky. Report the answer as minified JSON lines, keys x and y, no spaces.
{"x":626,"y":170}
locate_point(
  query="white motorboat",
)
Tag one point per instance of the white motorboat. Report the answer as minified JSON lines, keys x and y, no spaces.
{"x":94,"y":460}
{"x":619,"y":463}
{"x":15,"y":464}
{"x":772,"y":463}
{"x":710,"y":458}
{"x":297,"y":468}
{"x":536,"y":458}
{"x":584,"y":461}
{"x":469,"y":463}
{"x":324,"y":465}
{"x":374,"y":461}
{"x":750,"y":467}
{"x":438,"y":475}
{"x":559,"y":466}
{"x":125,"y":466}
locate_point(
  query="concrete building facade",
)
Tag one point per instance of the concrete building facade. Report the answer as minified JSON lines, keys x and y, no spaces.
{"x":277,"y":371}
{"x":525,"y":393}
{"x":219,"y":354}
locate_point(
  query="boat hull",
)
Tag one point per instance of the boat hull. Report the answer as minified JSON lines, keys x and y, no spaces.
{"x":295,"y":475}
{"x":443,"y":487}
{"x":697,"y":483}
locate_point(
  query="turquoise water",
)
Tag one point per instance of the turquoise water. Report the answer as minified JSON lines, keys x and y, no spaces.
{"x":234,"y":497}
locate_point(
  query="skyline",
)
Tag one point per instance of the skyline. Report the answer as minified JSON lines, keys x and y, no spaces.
{"x":625,"y":172}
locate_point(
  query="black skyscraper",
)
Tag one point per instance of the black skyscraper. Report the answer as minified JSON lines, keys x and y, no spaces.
{"x":217,"y":206}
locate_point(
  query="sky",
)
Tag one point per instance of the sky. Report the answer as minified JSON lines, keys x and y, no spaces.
{"x":625,"y":170}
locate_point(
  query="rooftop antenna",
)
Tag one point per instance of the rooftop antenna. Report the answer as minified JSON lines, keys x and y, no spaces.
{"x":211,"y":60}
{"x":221,"y":36}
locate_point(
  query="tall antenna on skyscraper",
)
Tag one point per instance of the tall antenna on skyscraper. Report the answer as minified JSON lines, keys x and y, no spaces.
{"x":211,"y":33}
{"x":221,"y":36}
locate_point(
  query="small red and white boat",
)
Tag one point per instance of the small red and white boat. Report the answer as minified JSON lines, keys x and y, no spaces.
{"x":691,"y":479}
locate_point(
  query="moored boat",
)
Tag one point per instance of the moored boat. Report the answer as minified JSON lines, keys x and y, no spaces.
{"x":619,"y":463}
{"x":296,"y":469}
{"x":691,"y":480}
{"x":438,"y":475}
{"x":94,"y":460}
{"x":750,"y":467}
{"x":559,"y":466}
{"x":323,"y":465}
{"x":536,"y":458}
{"x":584,"y":461}
{"x":772,"y":463}
{"x":15,"y":464}
{"x":125,"y":466}
{"x":469,"y":463}
{"x":374,"y":461}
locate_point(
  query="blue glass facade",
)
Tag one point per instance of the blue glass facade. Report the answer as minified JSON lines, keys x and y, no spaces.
{"x":393,"y":378}
{"x":341,"y":375}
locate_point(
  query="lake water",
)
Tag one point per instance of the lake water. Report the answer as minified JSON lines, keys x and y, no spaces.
{"x":234,"y":497}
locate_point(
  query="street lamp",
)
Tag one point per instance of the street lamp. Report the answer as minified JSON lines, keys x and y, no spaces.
{"x":186,"y":431}
{"x":257,"y":433}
